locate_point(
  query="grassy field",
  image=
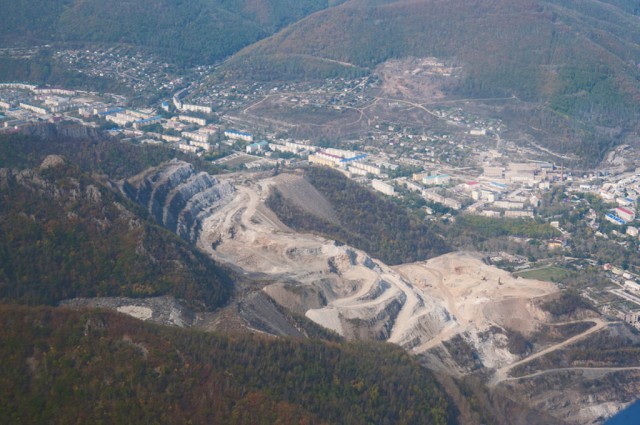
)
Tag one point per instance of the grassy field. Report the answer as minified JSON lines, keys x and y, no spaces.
{"x":551,"y":273}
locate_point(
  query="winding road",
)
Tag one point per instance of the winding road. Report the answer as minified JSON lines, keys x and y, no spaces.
{"x":502,"y":374}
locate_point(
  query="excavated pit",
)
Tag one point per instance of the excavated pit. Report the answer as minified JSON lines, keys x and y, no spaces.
{"x":453,"y":312}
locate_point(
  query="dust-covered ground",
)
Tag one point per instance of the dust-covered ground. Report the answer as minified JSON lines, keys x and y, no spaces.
{"x":478,"y":296}
{"x":456,"y":313}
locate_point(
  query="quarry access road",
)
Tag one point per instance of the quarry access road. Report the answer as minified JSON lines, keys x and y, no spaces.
{"x":502,"y":374}
{"x":604,"y":370}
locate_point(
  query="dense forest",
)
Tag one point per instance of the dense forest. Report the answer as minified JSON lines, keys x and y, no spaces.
{"x":487,"y":227}
{"x":367,"y":221}
{"x":567,"y":304}
{"x":61,"y":366}
{"x":67,"y":233}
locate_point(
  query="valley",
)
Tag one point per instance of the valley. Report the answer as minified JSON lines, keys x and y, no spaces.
{"x":319,"y":211}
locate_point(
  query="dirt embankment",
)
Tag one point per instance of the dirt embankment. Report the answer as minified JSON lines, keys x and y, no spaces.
{"x":305,"y":196}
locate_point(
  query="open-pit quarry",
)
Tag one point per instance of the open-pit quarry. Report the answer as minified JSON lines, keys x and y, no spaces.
{"x":454,"y":312}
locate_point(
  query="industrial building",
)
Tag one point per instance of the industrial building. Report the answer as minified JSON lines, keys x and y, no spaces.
{"x":498,"y":186}
{"x":494,"y":172}
{"x":614,"y":219}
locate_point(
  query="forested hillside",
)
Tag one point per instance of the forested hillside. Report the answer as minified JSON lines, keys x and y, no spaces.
{"x":187,"y":32}
{"x":528,"y":48}
{"x":60,"y":366}
{"x":366,"y":221}
{"x":67,"y":233}
{"x":577,"y":60}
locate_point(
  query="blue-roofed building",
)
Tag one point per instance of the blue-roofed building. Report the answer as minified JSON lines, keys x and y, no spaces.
{"x":110,"y":112}
{"x":612,"y":218}
{"x":498,"y":186}
{"x":353,"y":159}
{"x":146,"y":121}
{"x":238,"y":135}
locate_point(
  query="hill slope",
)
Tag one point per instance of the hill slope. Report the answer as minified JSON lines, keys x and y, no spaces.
{"x":577,"y":60}
{"x":200,"y":31}
{"x":69,"y":234}
{"x":60,"y":366}
{"x":501,"y":44}
{"x":365,"y":220}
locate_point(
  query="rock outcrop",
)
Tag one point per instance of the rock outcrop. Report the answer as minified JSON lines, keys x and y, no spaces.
{"x":177,"y":196}
{"x":163,"y":310}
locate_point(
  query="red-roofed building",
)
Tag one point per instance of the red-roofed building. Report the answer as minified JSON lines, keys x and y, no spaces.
{"x":625,"y":214}
{"x":471,"y":185}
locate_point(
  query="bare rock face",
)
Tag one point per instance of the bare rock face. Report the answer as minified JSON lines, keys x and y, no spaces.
{"x":177,"y":196}
{"x":260,"y":313}
{"x":162,"y":310}
{"x":336,"y":286}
